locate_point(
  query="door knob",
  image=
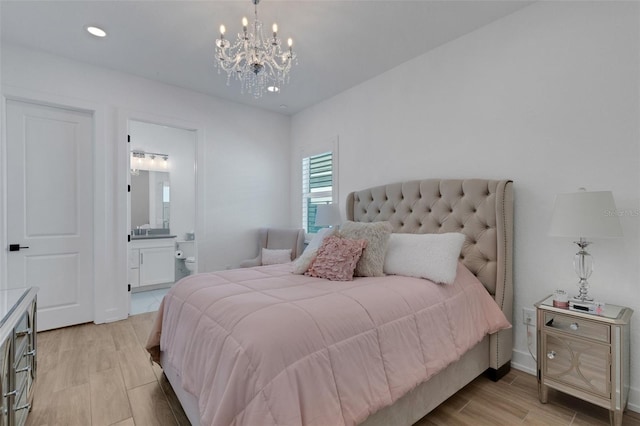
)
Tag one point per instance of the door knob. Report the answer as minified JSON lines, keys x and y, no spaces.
{"x":17,"y":247}
{"x":551,"y":354}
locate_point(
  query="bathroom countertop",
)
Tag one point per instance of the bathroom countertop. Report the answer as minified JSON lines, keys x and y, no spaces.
{"x":151,"y":237}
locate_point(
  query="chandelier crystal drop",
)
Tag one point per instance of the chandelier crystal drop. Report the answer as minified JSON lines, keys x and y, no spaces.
{"x":259,"y":62}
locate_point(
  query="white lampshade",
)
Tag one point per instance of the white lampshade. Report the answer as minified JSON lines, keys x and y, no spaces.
{"x":327,"y":215}
{"x":585,"y":214}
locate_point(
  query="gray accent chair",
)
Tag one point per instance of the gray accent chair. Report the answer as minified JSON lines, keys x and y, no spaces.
{"x":277,"y":238}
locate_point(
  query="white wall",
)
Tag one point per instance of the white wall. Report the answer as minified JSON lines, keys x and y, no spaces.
{"x":244,"y":168}
{"x":547,"y":97}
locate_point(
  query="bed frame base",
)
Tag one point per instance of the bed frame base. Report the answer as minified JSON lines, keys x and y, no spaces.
{"x":497,"y":374}
{"x":189,"y":402}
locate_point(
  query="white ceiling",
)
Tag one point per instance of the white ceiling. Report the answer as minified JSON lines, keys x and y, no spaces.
{"x":339,"y":43}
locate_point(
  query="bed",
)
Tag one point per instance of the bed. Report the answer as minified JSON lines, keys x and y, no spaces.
{"x":246,"y":386}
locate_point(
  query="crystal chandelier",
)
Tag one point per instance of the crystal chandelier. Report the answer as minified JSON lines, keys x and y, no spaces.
{"x":258,"y":62}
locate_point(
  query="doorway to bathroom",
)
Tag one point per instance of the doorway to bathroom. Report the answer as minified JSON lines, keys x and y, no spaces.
{"x":162,"y":210}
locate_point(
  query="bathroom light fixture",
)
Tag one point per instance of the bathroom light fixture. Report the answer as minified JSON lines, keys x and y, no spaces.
{"x":138,"y":157}
{"x":139,"y":161}
{"x":258,"y":62}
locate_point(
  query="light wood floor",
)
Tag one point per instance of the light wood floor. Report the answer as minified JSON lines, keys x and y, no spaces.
{"x":100,"y":375}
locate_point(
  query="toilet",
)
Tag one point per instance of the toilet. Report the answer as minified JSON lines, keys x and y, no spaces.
{"x":190,"y":263}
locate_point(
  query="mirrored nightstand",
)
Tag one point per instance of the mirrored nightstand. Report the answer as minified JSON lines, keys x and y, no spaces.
{"x":585,"y":355}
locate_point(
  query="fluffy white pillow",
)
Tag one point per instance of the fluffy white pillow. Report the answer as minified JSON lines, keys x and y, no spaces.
{"x":274,"y":257}
{"x":377,"y":234}
{"x":317,"y":239}
{"x":430,"y":256}
{"x":301,"y":264}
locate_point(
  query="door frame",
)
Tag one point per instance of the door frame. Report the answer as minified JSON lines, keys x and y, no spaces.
{"x":103,"y":310}
{"x":123,"y":179}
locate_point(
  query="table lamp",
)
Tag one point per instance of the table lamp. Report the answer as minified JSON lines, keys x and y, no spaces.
{"x":327,"y":215}
{"x":585,"y":215}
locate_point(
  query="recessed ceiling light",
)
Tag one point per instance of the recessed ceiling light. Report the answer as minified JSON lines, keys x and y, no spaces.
{"x":96,"y":31}
{"x":273,"y":89}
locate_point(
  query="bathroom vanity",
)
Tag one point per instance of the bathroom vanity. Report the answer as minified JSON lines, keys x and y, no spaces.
{"x":151,"y":260}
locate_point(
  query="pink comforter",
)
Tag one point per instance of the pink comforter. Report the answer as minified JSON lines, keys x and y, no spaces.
{"x":262,"y":346}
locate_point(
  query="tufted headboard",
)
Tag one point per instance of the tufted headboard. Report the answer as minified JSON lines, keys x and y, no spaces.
{"x":478,"y":208}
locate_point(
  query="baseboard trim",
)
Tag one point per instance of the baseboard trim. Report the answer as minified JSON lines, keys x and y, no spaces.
{"x":524,"y":362}
{"x":634,"y":400}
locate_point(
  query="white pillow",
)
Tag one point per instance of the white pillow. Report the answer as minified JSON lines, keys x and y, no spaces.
{"x":317,"y":239}
{"x":371,"y":263}
{"x":274,"y":257}
{"x":430,"y":256}
{"x":302,"y":263}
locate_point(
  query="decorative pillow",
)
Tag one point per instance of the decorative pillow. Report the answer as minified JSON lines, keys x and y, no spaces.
{"x":337,"y":258}
{"x":377,"y":235}
{"x":430,"y":256}
{"x":302,"y":263}
{"x":317,"y":239}
{"x":274,"y":257}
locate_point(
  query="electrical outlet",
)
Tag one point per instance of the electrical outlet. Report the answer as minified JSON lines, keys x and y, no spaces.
{"x":529,"y":316}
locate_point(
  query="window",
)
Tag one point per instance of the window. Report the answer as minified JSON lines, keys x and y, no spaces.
{"x":317,"y":187}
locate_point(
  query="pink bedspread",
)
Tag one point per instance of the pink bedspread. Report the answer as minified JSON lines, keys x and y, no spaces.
{"x":262,"y":346}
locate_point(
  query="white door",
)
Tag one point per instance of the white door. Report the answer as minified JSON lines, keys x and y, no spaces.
{"x":50,"y":209}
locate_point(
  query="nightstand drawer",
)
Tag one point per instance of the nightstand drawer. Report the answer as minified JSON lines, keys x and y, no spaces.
{"x":577,"y":326}
{"x":578,"y":363}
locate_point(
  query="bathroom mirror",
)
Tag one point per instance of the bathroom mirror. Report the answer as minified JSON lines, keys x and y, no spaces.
{"x":150,"y":199}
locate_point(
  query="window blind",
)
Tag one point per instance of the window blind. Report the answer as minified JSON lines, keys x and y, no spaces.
{"x":317,"y":187}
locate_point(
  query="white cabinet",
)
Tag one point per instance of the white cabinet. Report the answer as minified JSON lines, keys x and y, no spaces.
{"x":157,"y":265}
{"x":151,"y":262}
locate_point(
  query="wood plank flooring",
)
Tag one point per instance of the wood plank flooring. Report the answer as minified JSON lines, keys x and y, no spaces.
{"x":100,"y":375}
{"x":90,"y":375}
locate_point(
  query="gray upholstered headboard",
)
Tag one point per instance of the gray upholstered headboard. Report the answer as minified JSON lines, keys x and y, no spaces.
{"x":479,"y":208}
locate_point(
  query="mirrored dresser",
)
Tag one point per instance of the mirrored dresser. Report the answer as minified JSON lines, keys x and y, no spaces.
{"x":585,"y":355}
{"x":18,"y":353}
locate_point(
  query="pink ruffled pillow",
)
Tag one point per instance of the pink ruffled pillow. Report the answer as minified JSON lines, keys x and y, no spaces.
{"x":337,"y":258}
